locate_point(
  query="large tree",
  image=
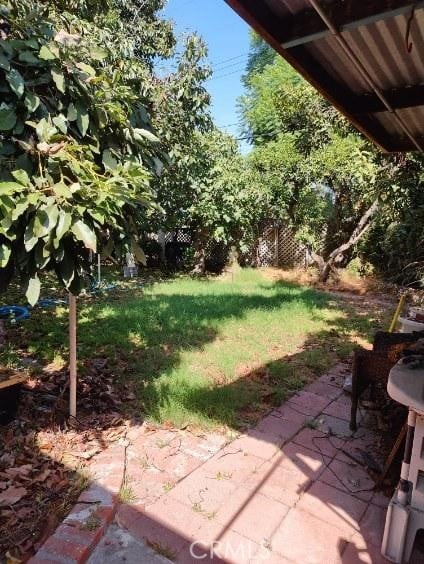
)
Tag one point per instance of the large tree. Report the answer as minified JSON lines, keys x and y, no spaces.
{"x":226,"y":198}
{"x":77,"y":152}
{"x":87,"y":126}
{"x":324,"y":178}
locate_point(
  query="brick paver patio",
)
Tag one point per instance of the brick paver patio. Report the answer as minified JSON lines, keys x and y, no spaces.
{"x":284,"y":491}
{"x":281,"y":492}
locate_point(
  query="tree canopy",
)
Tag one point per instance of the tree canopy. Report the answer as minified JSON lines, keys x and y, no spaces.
{"x":86,"y":129}
{"x":322,"y":177}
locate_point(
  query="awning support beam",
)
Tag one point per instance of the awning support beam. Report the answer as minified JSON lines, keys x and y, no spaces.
{"x":308,"y":26}
{"x":363,"y":72}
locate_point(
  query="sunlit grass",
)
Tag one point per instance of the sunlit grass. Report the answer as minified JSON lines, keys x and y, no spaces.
{"x":210,"y":353}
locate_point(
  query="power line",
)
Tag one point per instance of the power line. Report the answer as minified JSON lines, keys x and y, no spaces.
{"x":224,"y":75}
{"x":238,"y":63}
{"x":229,"y":125}
{"x":219,"y":63}
{"x":229,"y":59}
{"x":260,"y":134}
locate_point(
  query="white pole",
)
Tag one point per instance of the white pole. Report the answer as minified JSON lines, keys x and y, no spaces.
{"x":72,"y":355}
{"x":99,"y":270}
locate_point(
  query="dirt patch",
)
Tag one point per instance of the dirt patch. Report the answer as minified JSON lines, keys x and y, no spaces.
{"x":341,"y":281}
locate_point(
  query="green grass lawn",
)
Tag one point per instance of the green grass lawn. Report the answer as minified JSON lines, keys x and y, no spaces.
{"x":205,"y":352}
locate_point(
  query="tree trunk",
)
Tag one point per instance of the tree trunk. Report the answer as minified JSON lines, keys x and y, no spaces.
{"x":337,"y":255}
{"x":199,"y":267}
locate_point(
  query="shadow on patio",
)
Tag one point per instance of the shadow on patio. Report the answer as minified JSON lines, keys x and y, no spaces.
{"x":273,"y":489}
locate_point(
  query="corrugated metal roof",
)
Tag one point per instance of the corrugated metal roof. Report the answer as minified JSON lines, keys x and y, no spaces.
{"x":370,"y":35}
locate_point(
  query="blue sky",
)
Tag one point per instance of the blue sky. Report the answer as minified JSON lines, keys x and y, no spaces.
{"x":227,"y":37}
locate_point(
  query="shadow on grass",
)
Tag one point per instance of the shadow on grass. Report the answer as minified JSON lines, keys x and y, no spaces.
{"x":144,"y":338}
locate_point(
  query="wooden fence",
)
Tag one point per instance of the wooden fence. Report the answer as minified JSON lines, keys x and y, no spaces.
{"x":277,"y":246}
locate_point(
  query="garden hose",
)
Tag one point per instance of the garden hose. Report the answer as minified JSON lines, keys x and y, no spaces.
{"x":49,"y":302}
{"x":14,"y":313}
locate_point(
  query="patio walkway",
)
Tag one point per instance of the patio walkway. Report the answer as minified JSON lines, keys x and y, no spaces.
{"x":282,"y":492}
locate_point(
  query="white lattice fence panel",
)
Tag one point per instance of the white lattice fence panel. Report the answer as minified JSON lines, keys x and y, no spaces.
{"x":266,"y":249}
{"x":183,"y":236}
{"x":290,"y":251}
{"x":169,"y":236}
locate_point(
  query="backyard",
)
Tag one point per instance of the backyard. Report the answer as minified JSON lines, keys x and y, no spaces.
{"x":209,"y":353}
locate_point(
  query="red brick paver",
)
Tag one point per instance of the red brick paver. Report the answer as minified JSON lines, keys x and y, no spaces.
{"x":281,"y":492}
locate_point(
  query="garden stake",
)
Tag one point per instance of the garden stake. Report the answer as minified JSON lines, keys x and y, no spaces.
{"x":99,"y":271}
{"x":72,"y":355}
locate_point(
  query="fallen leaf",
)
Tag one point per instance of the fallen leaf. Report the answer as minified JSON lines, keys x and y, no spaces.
{"x":11,"y":559}
{"x":85,"y":455}
{"x":12,"y":495}
{"x":42,"y":476}
{"x":19,"y":470}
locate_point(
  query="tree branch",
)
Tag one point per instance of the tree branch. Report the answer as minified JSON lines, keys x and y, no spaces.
{"x":358,"y":232}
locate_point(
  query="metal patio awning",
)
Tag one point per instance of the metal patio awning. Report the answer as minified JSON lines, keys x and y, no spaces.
{"x":365,"y":56}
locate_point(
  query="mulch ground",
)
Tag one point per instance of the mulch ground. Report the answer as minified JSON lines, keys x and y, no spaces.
{"x":44,"y":454}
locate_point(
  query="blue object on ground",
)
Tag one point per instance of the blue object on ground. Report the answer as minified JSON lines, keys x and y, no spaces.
{"x":14,"y":313}
{"x":95,"y":287}
{"x":49,"y":302}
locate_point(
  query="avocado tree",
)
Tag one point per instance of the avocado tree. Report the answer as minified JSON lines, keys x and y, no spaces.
{"x":227,"y":198}
{"x":77,"y":154}
{"x":76,"y":150}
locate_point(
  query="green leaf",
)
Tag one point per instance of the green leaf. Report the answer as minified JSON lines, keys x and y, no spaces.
{"x":28,"y":57}
{"x":7,"y":117}
{"x":83,"y":119}
{"x":59,"y":79}
{"x":5,"y":253}
{"x":62,"y":190}
{"x":31,"y":102}
{"x":20,"y":208}
{"x":63,"y":225}
{"x":46,"y":54}
{"x":52,"y":212}
{"x":60,"y":122}
{"x":87,"y":69}
{"x":22,"y":177}
{"x":109,"y":160}
{"x":97,"y":53}
{"x":45,"y":220}
{"x":138,"y":252}
{"x":30,"y":239}
{"x":72,"y":112}
{"x":4,"y":62}
{"x":16,"y":82}
{"x":140,"y":133}
{"x":9,"y":188}
{"x":32,"y":43}
{"x":44,"y":129}
{"x":33,"y":290}
{"x":85,"y":234}
{"x":41,"y":224}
